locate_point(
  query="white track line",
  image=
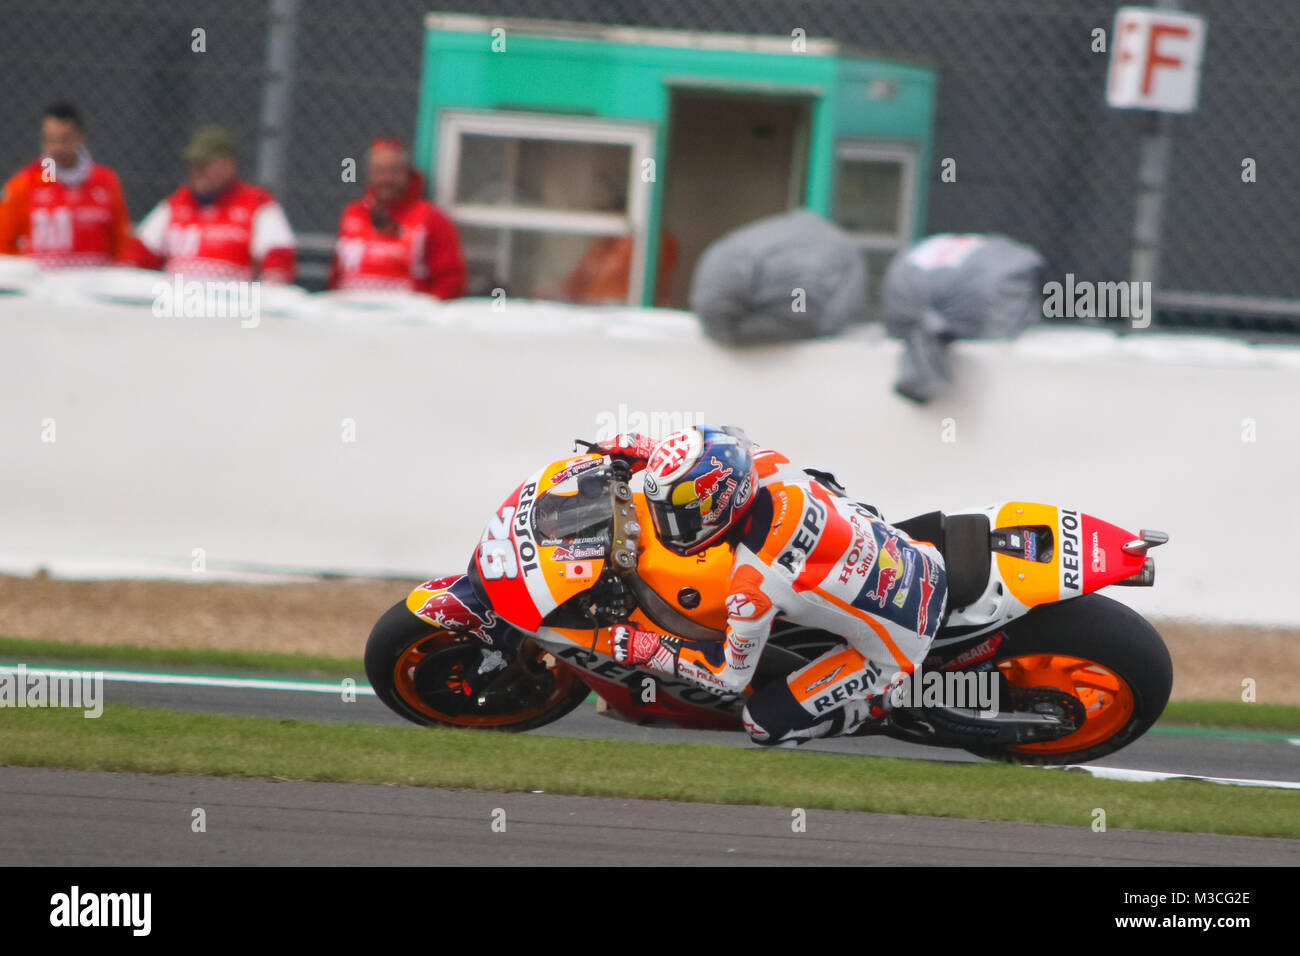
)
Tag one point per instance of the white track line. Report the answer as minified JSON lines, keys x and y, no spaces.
{"x":1119,"y":773}
{"x":195,"y":680}
{"x":253,"y":683}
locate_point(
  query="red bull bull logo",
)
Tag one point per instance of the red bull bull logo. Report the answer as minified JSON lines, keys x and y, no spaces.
{"x":448,"y":611}
{"x":581,"y":552}
{"x":889,"y":565}
{"x":707,"y":483}
{"x":722,"y":500}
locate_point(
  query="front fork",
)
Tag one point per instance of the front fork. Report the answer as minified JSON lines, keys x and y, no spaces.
{"x":523,"y":676}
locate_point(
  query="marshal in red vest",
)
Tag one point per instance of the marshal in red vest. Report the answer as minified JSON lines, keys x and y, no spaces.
{"x":240,"y":234}
{"x":410,"y":246}
{"x":77,"y":223}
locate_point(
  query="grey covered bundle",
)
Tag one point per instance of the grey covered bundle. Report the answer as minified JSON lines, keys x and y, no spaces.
{"x":950,"y":287}
{"x":790,"y":276}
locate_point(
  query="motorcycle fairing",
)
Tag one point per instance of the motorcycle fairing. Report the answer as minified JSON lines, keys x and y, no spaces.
{"x":1041,"y":554}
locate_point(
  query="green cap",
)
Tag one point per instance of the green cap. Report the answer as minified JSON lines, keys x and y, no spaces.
{"x":210,"y":142}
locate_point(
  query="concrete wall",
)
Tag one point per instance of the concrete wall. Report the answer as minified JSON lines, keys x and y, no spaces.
{"x":177,"y":434}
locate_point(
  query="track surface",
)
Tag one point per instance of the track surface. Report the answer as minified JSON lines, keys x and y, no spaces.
{"x":1208,"y":755}
{"x":77,"y":818}
{"x":57,"y":817}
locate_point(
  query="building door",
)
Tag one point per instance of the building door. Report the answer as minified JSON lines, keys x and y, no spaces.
{"x":732,"y":158}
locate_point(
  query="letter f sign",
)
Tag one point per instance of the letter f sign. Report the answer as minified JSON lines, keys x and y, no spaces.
{"x":1155,"y":60}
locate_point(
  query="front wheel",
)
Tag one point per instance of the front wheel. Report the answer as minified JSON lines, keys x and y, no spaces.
{"x":1100,"y":651}
{"x":421,"y":672}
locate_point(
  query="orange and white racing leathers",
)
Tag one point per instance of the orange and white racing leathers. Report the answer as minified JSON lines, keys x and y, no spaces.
{"x":821,"y":560}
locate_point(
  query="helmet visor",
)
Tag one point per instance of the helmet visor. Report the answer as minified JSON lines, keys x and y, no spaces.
{"x":678,"y":527}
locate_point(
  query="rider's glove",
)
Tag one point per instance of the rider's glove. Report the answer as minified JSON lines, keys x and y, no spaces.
{"x":630,"y":447}
{"x":633,"y":645}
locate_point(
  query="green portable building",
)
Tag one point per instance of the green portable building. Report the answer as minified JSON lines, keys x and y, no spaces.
{"x":594,"y":163}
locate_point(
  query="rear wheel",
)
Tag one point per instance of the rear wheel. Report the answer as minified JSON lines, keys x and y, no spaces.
{"x":1101,"y":652}
{"x":424,"y":673}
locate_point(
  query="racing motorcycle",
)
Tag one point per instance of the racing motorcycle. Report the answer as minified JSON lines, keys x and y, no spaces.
{"x":524,"y":636}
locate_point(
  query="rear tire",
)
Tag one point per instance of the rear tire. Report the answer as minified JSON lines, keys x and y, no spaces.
{"x":1109,"y":635}
{"x":401,"y":649}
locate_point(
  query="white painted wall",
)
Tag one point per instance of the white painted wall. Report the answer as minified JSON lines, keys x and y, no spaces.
{"x":176,"y":434}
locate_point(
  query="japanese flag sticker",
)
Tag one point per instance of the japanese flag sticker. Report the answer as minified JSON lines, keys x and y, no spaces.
{"x":579,"y":570}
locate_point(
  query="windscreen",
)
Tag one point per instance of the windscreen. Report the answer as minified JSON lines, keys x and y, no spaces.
{"x":576,"y":509}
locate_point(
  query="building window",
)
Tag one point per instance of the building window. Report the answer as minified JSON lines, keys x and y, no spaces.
{"x":548,"y":207}
{"x":875,"y":202}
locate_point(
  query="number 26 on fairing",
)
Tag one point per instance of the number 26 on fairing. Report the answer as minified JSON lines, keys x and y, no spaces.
{"x":496,"y":552}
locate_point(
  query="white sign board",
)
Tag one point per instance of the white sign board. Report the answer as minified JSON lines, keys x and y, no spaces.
{"x":1155,"y":60}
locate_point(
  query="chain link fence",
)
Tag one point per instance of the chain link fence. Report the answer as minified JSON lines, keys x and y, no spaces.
{"x":1021,"y":109}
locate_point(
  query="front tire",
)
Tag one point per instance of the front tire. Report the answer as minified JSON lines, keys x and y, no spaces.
{"x":1102,"y":652}
{"x":417,"y":669}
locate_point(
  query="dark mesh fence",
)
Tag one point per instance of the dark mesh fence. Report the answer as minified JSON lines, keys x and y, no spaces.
{"x":1020,"y":108}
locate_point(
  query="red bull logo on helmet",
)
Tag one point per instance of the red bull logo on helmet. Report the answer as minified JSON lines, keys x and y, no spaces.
{"x":720,"y":503}
{"x":707,"y":483}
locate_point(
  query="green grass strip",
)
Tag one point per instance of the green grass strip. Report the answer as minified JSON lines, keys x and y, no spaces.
{"x":1220,"y":733}
{"x":40,"y":651}
{"x":128,"y":738}
{"x":1233,"y":714}
{"x":1186,"y":713}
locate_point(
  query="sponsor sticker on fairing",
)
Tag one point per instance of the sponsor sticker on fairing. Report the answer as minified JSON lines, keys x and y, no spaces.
{"x":573,"y":468}
{"x":1070,"y":553}
{"x":448,"y":611}
{"x":1098,"y":556}
{"x":579,"y":570}
{"x":973,"y":655}
{"x":578,"y":552}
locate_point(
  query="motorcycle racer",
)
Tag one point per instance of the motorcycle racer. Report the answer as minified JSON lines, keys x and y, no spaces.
{"x":802,"y":550}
